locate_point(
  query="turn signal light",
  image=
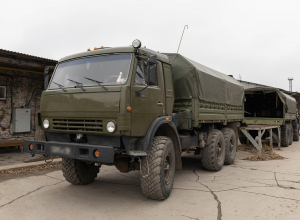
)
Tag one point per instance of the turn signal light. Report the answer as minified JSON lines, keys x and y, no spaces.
{"x":97,"y":153}
{"x":31,"y":146}
{"x":129,"y":108}
{"x":167,"y":119}
{"x":95,"y":48}
{"x":102,"y":47}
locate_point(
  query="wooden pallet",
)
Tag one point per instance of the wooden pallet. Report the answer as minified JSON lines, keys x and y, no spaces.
{"x":261,"y":130}
{"x":12,"y":144}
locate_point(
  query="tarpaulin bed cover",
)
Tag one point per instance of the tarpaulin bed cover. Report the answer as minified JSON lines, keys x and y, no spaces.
{"x":288,"y":101}
{"x":193,"y":80}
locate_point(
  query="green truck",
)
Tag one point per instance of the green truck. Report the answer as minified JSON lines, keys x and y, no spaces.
{"x":137,"y":109}
{"x":270,"y":106}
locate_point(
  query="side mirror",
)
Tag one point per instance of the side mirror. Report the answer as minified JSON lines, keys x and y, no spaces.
{"x":152,"y":59}
{"x":151,"y":69}
{"x":47,"y":76}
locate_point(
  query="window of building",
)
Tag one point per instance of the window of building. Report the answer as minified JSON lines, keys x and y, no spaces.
{"x":2,"y":92}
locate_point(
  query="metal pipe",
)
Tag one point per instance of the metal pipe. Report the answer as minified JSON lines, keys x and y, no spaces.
{"x":29,"y":71}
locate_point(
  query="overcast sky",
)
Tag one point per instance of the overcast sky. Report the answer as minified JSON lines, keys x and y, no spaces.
{"x":257,"y":39}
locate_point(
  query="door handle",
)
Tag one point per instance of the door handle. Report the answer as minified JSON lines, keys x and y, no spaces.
{"x":159,"y":103}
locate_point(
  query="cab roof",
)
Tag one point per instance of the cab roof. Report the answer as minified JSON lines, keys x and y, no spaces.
{"x":129,"y":49}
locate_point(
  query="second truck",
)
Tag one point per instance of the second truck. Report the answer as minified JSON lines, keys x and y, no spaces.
{"x":137,"y":109}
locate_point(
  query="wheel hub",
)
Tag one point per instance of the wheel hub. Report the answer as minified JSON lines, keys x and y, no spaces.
{"x":167,"y":164}
{"x":219,"y":151}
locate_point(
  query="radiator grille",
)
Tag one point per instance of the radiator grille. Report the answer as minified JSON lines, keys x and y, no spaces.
{"x":78,"y":125}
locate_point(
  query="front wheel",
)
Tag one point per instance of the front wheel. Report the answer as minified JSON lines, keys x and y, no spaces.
{"x":158,"y":182}
{"x":79,"y":172}
{"x":285,"y":135}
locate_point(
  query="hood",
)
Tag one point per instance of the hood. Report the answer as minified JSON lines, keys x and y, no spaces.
{"x":83,"y":102}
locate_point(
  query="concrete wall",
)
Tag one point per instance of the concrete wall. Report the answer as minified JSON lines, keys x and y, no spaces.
{"x":26,"y":92}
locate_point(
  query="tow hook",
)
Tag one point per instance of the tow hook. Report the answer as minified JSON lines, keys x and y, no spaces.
{"x":140,"y":161}
{"x":32,"y":154}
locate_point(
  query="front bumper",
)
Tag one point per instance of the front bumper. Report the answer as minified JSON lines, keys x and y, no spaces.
{"x":71,"y":150}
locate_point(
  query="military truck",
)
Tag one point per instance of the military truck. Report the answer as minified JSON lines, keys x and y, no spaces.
{"x":270,"y":106}
{"x":137,"y":109}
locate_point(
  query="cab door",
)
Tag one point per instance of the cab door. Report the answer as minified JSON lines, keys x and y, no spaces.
{"x":150,"y":104}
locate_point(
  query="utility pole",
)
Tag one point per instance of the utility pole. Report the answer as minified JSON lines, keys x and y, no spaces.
{"x":182,"y":36}
{"x":290,"y":83}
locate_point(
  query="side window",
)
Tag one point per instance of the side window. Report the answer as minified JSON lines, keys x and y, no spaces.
{"x":141,"y":75}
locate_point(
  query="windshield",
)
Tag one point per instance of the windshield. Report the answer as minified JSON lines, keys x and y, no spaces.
{"x":105,"y":70}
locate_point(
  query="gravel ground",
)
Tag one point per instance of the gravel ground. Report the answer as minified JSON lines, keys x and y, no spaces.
{"x":266,"y":154}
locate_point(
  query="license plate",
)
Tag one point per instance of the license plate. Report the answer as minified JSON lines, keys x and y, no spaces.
{"x":60,"y":150}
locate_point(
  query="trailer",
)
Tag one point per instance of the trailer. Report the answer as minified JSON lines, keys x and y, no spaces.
{"x":268,"y":106}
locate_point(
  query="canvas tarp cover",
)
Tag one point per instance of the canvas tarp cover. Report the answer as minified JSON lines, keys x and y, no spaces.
{"x":193,"y":80}
{"x":288,"y":101}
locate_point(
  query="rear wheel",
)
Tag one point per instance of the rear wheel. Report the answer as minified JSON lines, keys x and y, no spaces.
{"x":158,"y":183}
{"x":230,"y":145}
{"x":79,"y":172}
{"x":296,"y":131}
{"x":213,"y":155}
{"x":291,"y":134}
{"x":285,"y":135}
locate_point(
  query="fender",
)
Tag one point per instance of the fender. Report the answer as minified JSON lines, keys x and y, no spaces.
{"x":165,"y":128}
{"x":145,"y":142}
{"x":136,"y":146}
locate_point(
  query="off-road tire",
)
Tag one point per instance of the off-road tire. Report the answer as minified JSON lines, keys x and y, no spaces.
{"x":291,"y":134}
{"x":209,"y":154}
{"x":155,"y":185}
{"x":79,"y":172}
{"x":285,"y":135}
{"x":230,"y":145}
{"x":296,"y":132}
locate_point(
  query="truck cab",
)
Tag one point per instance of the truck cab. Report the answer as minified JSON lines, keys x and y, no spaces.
{"x":117,"y":106}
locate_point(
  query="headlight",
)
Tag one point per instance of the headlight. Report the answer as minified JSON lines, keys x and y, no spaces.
{"x":46,"y":123}
{"x":136,"y":43}
{"x":111,"y":127}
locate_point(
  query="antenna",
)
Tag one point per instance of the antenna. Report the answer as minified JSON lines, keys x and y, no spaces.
{"x":182,"y":36}
{"x":240,"y":77}
{"x":290,"y":83}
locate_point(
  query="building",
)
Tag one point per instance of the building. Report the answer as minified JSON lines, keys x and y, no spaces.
{"x":21,"y":85}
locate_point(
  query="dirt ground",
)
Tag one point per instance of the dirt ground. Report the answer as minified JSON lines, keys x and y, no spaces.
{"x":11,"y":156}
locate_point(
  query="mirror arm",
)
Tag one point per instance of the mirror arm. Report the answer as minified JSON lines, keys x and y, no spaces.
{"x":139,"y":92}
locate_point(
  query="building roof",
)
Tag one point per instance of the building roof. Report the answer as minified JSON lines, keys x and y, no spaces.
{"x":2,"y":51}
{"x":19,"y":61}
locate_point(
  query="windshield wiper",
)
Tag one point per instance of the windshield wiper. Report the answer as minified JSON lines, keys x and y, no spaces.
{"x":60,"y":86}
{"x":96,"y":81}
{"x":78,"y":84}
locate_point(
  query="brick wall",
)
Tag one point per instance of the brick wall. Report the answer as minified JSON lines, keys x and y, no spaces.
{"x":26,"y":92}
